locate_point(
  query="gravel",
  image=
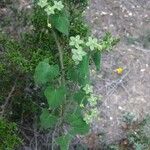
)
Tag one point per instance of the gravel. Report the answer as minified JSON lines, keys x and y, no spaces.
{"x":129,"y":92}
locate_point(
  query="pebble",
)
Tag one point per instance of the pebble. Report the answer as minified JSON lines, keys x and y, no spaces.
{"x":120,"y":108}
{"x":130,"y":13}
{"x":111,"y":118}
{"x":111,"y":25}
{"x":108,"y":106}
{"x":142,"y":70}
{"x":104,"y":13}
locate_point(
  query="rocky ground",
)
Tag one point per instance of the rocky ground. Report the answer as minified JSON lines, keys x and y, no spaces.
{"x":129,"y":92}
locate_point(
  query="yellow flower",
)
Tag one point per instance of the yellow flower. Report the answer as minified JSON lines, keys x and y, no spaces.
{"x":119,"y":70}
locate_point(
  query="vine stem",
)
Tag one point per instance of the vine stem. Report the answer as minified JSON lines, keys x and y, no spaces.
{"x":60,"y":51}
{"x":60,"y":56}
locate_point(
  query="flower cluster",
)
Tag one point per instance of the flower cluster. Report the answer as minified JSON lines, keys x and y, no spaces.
{"x":77,"y":52}
{"x":42,"y":3}
{"x":50,"y":10}
{"x":88,"y":117}
{"x":88,"y":89}
{"x":76,"y":41}
{"x":92,"y":43}
{"x":78,"y":55}
{"x":79,"y":44}
{"x":92,"y":101}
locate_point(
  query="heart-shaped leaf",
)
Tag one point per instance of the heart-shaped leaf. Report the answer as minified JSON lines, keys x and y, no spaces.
{"x":45,"y":72}
{"x":55,"y":97}
{"x":47,"y":120}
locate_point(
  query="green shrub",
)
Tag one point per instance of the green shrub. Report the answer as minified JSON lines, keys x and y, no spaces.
{"x":9,"y":138}
{"x":137,"y":134}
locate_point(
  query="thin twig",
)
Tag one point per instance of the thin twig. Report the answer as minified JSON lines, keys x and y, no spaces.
{"x":3,"y":107}
{"x":35,"y":135}
{"x":141,"y":49}
{"x":54,"y":133}
{"x":116,"y":83}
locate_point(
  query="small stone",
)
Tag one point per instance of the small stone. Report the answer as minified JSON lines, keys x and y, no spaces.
{"x":120,"y":108}
{"x":125,"y":15}
{"x":142,"y":70}
{"x":29,"y":6}
{"x":111,"y":118}
{"x":111,"y":25}
{"x":146,"y":16}
{"x":99,"y":76}
{"x":130,"y":13}
{"x":104,"y":13}
{"x":108,"y":106}
{"x":105,"y":28}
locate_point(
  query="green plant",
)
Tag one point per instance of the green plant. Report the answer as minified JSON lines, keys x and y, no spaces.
{"x":143,"y":40}
{"x":71,"y":104}
{"x":138,"y":135}
{"x":9,"y":138}
{"x":128,"y":118}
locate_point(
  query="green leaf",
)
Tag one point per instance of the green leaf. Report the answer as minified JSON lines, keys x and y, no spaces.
{"x":61,"y":22}
{"x":79,"y":97}
{"x":83,"y":71}
{"x":47,"y":120}
{"x":64,"y":141}
{"x":80,"y":74}
{"x":45,"y":72}
{"x":78,"y":125}
{"x":72,"y":74}
{"x":97,"y":60}
{"x":55,"y":97}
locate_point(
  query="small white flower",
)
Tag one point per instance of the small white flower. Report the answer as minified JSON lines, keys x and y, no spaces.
{"x":94,"y":112}
{"x":78,"y":55}
{"x":50,"y":10}
{"x":42,"y":3}
{"x":76,"y":41}
{"x":92,"y":100}
{"x":88,"y":89}
{"x":88,"y":118}
{"x":99,"y":47}
{"x":92,"y":43}
{"x":58,"y":5}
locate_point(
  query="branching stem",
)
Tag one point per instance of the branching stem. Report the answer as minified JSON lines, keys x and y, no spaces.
{"x":60,"y":50}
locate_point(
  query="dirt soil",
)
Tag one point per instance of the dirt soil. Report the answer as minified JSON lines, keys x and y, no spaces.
{"x":129,"y":92}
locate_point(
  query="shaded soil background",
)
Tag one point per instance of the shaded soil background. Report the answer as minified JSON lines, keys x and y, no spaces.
{"x":130,"y":92}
